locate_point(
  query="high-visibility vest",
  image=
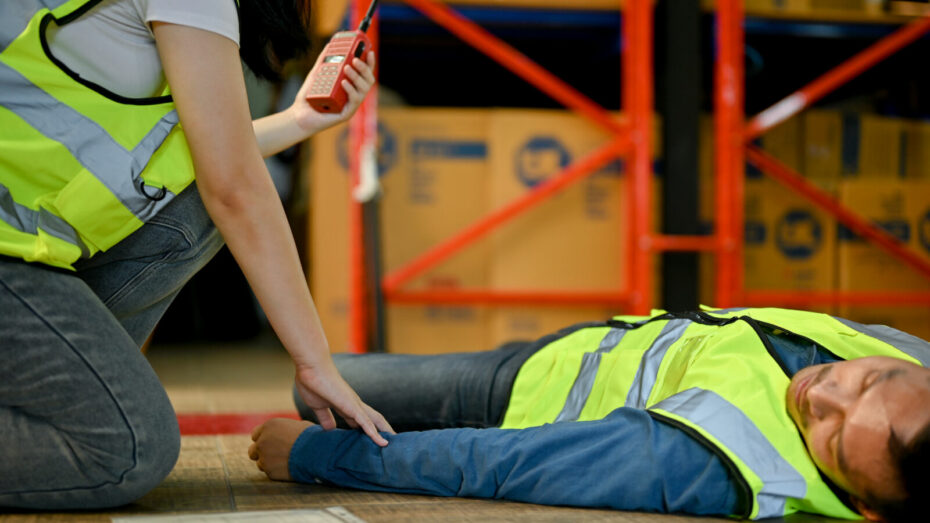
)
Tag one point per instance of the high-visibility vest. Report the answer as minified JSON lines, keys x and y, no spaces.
{"x":81,"y":168}
{"x":710,"y":373}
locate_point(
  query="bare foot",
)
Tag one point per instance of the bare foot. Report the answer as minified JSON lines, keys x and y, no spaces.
{"x":272,"y":446}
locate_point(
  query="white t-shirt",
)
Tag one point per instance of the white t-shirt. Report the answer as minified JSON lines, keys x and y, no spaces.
{"x":113,"y":46}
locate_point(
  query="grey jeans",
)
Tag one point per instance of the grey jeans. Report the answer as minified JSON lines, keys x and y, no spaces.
{"x":84,"y":421}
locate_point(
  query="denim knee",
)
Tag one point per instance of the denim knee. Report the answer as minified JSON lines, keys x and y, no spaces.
{"x":157,"y":446}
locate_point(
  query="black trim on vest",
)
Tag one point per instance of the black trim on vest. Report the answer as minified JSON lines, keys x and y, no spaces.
{"x":743,"y":490}
{"x":74,"y":15}
{"x":695,"y":316}
{"x":76,"y":77}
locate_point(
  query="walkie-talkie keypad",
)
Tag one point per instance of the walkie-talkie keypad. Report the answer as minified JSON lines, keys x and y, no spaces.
{"x":324,"y":81}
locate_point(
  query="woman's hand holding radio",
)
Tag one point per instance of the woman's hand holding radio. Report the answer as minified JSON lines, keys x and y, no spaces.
{"x":360,"y":79}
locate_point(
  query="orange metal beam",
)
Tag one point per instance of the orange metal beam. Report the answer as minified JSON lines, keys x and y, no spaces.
{"x":637,"y":103}
{"x":728,"y":126}
{"x":843,"y":73}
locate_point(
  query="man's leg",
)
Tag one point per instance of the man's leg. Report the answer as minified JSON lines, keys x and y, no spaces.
{"x":140,"y":276}
{"x":84,"y":422}
{"x":430,"y":392}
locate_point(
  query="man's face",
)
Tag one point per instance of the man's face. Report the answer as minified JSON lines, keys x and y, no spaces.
{"x":847,"y":411}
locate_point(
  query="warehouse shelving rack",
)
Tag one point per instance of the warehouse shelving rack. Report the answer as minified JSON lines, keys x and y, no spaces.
{"x":733,"y":147}
{"x":630,"y":137}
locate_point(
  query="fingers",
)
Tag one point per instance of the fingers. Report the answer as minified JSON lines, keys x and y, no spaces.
{"x":368,"y":427}
{"x":325,"y":417}
{"x":361,"y":78}
{"x":371,"y":422}
{"x":380,"y":422}
{"x":253,"y":452}
{"x":355,"y":97}
{"x":257,"y":431}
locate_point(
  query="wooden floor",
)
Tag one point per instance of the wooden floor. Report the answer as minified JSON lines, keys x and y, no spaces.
{"x":214,"y":474}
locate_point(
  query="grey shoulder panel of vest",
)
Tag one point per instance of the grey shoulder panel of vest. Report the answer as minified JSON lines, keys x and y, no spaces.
{"x":907,"y":343}
{"x":734,"y":430}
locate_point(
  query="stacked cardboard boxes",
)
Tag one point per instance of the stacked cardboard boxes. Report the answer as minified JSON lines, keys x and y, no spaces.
{"x":573,"y":242}
{"x":442,"y":169}
{"x":903,"y":209}
{"x":789,"y":242}
{"x":877,"y":166}
{"x":433,"y":167}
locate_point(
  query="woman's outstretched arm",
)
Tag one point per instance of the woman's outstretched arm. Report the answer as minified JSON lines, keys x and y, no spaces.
{"x":206,"y":79}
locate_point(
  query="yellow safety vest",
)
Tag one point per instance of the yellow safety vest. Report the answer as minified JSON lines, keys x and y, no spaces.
{"x":81,"y":168}
{"x":712,"y":374}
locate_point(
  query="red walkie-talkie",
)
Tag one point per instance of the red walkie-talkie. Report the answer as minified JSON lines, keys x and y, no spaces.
{"x":326,"y":92}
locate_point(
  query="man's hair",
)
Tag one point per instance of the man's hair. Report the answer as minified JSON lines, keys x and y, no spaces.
{"x":271,"y":32}
{"x":913,"y":464}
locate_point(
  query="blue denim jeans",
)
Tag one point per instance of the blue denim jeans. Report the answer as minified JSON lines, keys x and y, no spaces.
{"x":84,"y":421}
{"x":468,"y":389}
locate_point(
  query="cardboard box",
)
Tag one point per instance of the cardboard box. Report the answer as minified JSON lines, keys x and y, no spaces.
{"x":329,"y":237}
{"x":442,"y":170}
{"x":777,"y":6}
{"x":822,"y":146}
{"x":437,"y":188}
{"x":916,"y":154}
{"x":575,"y":241}
{"x":790,"y":243}
{"x":785,"y":143}
{"x":902,"y":208}
{"x":433,"y":170}
{"x":872,"y":146}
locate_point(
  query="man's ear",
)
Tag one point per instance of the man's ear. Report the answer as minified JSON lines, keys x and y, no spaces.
{"x":867,"y":511}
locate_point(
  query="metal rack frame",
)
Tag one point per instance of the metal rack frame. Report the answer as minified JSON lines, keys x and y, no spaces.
{"x":631,"y":137}
{"x":733,"y":137}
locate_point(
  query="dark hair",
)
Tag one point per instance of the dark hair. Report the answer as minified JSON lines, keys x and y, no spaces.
{"x":913,"y":464}
{"x":271,"y":32}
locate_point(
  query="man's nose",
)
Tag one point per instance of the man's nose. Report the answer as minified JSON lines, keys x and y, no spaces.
{"x":828,"y":397}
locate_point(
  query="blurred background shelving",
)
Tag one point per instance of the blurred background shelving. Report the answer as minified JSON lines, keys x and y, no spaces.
{"x":449,"y":113}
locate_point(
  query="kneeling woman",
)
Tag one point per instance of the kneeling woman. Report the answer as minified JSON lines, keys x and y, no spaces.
{"x":101,"y":224}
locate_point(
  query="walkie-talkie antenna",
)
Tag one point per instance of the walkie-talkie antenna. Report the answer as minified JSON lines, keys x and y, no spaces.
{"x":367,"y":20}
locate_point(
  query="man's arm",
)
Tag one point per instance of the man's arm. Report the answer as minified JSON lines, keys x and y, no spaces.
{"x":626,"y":461}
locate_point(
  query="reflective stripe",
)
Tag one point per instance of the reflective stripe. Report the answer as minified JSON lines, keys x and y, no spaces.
{"x":611,"y":340}
{"x":115,"y":167}
{"x":649,"y":367}
{"x":584,"y":382}
{"x":737,"y":433}
{"x":29,"y":221}
{"x":14,"y":17}
{"x":910,"y":345}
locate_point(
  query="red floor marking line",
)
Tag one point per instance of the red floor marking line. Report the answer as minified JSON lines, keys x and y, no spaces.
{"x":207,"y":424}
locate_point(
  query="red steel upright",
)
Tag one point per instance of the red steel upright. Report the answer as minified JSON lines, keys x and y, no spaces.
{"x":363,"y":141}
{"x":732,"y":148}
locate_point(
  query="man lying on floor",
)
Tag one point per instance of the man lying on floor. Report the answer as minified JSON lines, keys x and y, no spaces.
{"x":746,"y":412}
